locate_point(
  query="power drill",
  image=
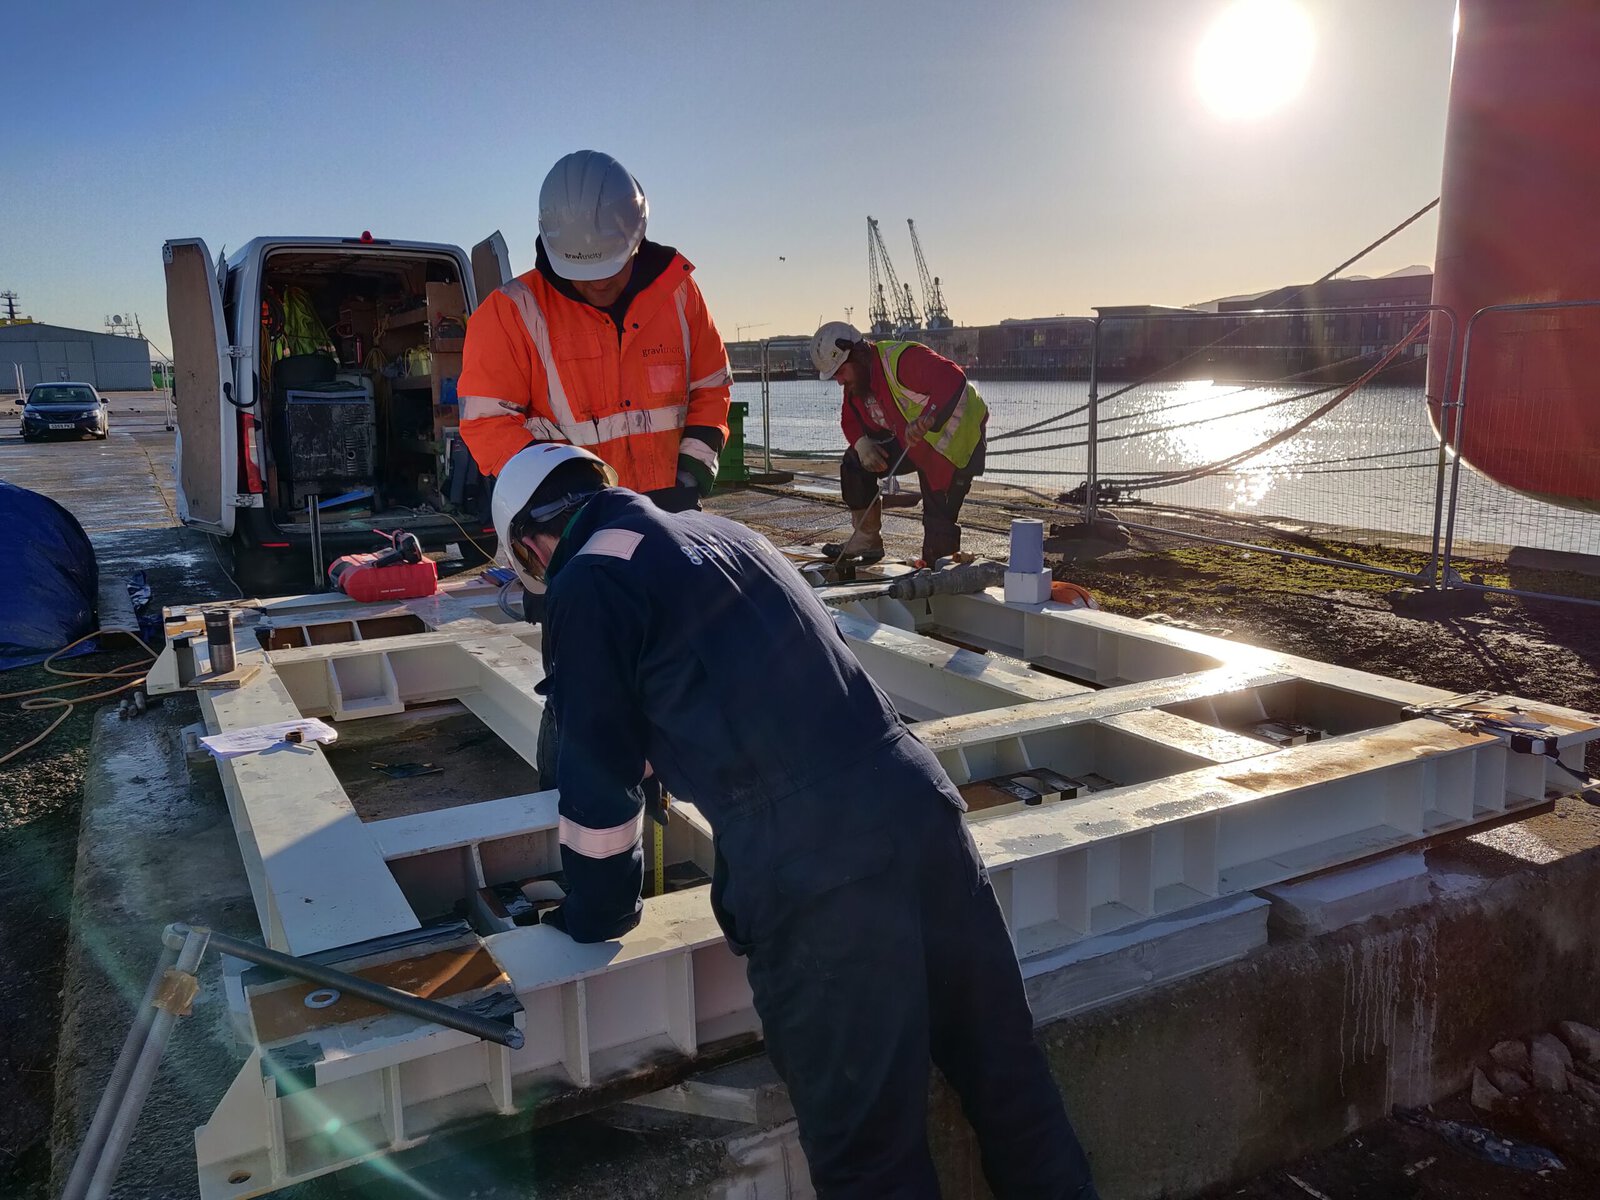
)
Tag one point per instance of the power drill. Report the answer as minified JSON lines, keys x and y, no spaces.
{"x":398,"y":573}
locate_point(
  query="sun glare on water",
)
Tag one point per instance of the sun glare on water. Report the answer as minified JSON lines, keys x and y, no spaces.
{"x":1254,"y":58}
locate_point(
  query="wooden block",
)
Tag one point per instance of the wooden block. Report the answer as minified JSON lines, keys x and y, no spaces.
{"x":1033,"y":787}
{"x":283,"y":1012}
{"x":225,"y":680}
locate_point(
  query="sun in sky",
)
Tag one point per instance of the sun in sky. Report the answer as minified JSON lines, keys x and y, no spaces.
{"x":1254,"y":58}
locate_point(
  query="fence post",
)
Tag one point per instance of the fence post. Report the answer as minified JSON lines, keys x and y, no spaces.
{"x":766,"y":406}
{"x":1455,"y":469}
{"x":1435,"y":573}
{"x":1092,"y":449}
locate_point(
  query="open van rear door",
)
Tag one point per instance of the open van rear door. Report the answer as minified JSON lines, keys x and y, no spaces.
{"x":208,"y":426}
{"x":491,"y":265}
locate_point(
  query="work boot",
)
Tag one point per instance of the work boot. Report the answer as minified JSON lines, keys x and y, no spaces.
{"x":938,"y":540}
{"x":865,"y":543}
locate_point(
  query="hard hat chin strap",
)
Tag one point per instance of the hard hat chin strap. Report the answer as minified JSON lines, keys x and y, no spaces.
{"x":531,"y":520}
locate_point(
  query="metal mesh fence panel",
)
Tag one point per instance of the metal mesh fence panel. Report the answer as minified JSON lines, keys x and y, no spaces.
{"x":1307,"y":424}
{"x":1525,"y":490}
{"x":1305,"y":427}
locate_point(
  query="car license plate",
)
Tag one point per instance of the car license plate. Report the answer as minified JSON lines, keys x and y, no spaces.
{"x":61,"y":425}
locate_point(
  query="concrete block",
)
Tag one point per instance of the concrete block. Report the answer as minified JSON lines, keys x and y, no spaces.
{"x":1529,"y":558}
{"x":1027,"y":587}
{"x":1100,"y":969}
{"x":1339,"y":898}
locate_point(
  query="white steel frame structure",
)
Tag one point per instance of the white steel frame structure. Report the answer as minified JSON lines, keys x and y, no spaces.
{"x":1183,"y":803}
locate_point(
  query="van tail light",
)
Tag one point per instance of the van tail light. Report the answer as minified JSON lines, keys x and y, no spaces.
{"x":250,"y":454}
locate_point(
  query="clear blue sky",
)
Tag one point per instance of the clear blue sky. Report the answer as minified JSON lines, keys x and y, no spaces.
{"x":1055,"y":155}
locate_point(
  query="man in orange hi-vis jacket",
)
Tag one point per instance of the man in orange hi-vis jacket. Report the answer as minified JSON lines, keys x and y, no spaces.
{"x":605,"y":344}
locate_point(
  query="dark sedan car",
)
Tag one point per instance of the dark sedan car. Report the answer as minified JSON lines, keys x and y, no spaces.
{"x":64,"y":410}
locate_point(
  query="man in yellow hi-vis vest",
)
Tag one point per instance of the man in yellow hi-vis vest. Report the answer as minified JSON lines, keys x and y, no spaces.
{"x":905,"y":409}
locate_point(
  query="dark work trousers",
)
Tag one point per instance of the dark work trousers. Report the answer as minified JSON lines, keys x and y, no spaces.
{"x":941,"y":511}
{"x":544,"y":755}
{"x":861,"y":986}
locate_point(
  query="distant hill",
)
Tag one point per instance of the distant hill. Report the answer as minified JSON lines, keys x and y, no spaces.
{"x":1403,"y":272}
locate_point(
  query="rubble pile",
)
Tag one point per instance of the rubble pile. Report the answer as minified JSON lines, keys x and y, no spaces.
{"x":1546,"y":1087}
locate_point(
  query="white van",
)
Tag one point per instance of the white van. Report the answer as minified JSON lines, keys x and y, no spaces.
{"x":322,"y":371}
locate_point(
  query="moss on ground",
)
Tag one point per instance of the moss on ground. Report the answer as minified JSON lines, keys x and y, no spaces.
{"x":1184,"y":570}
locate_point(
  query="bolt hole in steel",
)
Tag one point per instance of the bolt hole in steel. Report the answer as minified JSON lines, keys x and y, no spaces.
{"x":321,"y":998}
{"x":239,"y":1177}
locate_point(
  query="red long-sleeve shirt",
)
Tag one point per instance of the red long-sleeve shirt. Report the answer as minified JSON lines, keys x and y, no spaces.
{"x":920,"y":370}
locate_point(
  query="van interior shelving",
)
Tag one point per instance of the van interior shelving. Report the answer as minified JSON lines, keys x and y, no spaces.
{"x":357,"y":358}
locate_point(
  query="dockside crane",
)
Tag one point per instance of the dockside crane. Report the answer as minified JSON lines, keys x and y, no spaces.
{"x":906,"y":318}
{"x":932,"y":295}
{"x":877,"y":305}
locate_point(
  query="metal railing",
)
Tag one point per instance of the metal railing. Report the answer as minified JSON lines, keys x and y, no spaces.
{"x":1580,"y":529}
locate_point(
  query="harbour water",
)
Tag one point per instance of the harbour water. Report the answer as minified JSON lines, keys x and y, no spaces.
{"x":1371,"y":463}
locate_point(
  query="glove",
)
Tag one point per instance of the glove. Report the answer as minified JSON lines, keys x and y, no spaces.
{"x":676,"y":499}
{"x":657,"y":800}
{"x":871,"y":454}
{"x":694,"y":473}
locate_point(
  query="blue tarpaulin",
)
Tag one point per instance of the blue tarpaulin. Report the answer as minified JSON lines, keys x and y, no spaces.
{"x":48,"y":581}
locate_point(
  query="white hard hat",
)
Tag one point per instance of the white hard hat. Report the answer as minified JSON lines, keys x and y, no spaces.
{"x":826,"y":353}
{"x":516,"y":484}
{"x":592,"y":215}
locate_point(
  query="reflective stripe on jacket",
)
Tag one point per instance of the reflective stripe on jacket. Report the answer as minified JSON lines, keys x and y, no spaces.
{"x":541,"y":367}
{"x":962,"y":430}
{"x":686,"y":645}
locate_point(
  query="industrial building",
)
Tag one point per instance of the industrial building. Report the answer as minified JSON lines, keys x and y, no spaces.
{"x":45,"y":353}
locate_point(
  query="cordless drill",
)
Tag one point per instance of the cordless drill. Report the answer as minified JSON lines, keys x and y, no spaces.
{"x":398,"y":573}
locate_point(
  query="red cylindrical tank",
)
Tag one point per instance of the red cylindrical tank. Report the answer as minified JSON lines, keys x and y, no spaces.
{"x":1519,"y":222}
